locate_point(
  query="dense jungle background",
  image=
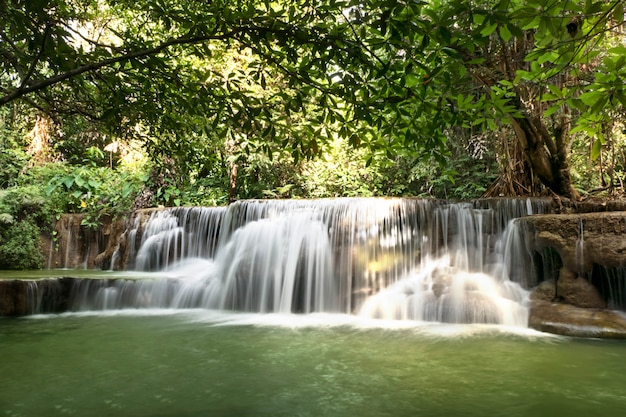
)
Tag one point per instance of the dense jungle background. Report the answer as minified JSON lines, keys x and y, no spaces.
{"x":111,"y":106}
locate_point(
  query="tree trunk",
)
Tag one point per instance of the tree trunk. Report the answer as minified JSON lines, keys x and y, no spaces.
{"x":547,"y":155}
{"x":232,"y":183}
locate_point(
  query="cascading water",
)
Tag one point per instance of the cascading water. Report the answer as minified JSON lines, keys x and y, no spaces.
{"x":175,"y":234}
{"x":379,"y":258}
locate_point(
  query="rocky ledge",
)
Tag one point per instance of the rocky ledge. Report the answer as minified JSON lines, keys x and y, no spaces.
{"x":24,"y":297}
{"x":577,"y":299}
{"x":567,"y":320}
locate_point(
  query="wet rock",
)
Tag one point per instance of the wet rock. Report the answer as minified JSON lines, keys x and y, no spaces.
{"x":571,"y":305}
{"x":75,"y":245}
{"x":24,"y":297}
{"x":441,"y":278}
{"x":438,"y":289}
{"x":13,"y":298}
{"x":567,"y":320}
{"x":581,"y":240}
{"x":546,"y":291}
{"x":577,"y":291}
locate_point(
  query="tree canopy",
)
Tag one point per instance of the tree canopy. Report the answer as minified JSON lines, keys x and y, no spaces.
{"x":200,"y":81}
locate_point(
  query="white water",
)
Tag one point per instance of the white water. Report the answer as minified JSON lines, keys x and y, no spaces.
{"x":441,"y":292}
{"x":385,"y":259}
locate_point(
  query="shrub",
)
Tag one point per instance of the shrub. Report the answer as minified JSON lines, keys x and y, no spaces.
{"x":19,"y":246}
{"x":24,"y":213}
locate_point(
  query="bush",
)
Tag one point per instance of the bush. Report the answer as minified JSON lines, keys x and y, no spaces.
{"x":27,"y":203}
{"x":12,"y":162}
{"x":24,"y":213}
{"x":19,"y":245}
{"x":99,"y":192}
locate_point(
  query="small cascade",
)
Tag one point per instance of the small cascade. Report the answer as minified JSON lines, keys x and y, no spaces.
{"x":270,"y":265}
{"x":580,"y":247}
{"x":443,"y":293}
{"x":174,"y":234}
{"x":414,"y":259}
{"x":611,"y":282}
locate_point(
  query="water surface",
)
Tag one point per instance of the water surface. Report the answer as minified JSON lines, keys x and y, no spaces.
{"x":198,"y":363}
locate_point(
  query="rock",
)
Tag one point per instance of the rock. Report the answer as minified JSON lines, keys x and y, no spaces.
{"x":74,"y":245}
{"x":568,"y":320}
{"x":438,"y":289}
{"x":23,"y":297}
{"x":581,"y":240}
{"x":577,"y":291}
{"x":546,"y":291}
{"x":13,"y":298}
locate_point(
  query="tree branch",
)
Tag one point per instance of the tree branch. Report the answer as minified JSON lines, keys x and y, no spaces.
{"x":19,"y":92}
{"x":33,"y":64}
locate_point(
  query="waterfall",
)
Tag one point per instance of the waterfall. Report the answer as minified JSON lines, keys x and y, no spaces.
{"x":175,"y":234}
{"x":389,"y":258}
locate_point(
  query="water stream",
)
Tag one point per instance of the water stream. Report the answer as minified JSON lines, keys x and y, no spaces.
{"x":407,"y":259}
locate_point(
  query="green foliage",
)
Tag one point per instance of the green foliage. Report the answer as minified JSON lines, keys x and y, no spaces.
{"x":24,"y":213}
{"x":12,"y":157}
{"x":19,"y":246}
{"x":100,"y":192}
{"x":12,"y":162}
{"x":26,"y":203}
{"x":209,"y":191}
{"x":209,"y":85}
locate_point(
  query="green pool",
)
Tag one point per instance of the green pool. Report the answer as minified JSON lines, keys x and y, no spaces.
{"x":183,"y":363}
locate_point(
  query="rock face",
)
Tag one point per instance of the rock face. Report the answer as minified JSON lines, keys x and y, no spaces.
{"x":13,"y":300}
{"x":582,"y":240}
{"x":74,"y":245}
{"x":576,"y":301}
{"x":23,"y":297}
{"x":577,"y":290}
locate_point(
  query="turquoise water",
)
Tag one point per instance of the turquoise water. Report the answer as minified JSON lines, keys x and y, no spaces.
{"x":200,"y":363}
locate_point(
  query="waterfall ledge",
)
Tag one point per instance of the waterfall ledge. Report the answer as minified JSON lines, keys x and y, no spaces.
{"x":575,"y":264}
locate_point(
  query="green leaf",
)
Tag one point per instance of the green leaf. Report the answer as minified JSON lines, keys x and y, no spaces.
{"x":596,"y":149}
{"x":551,"y":56}
{"x":576,"y":103}
{"x":552,"y":110}
{"x":555,"y":90}
{"x":78,"y":180}
{"x":505,"y":33}
{"x":451,"y":52}
{"x":68,"y":181}
{"x":618,"y":13}
{"x":489,"y":29}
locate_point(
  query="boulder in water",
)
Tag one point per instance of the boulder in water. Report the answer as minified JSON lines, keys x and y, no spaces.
{"x":567,"y":320}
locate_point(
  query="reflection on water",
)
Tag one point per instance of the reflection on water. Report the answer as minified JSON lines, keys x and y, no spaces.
{"x":204,"y":363}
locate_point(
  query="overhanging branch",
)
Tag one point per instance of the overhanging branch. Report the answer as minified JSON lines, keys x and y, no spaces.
{"x":59,"y":78}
